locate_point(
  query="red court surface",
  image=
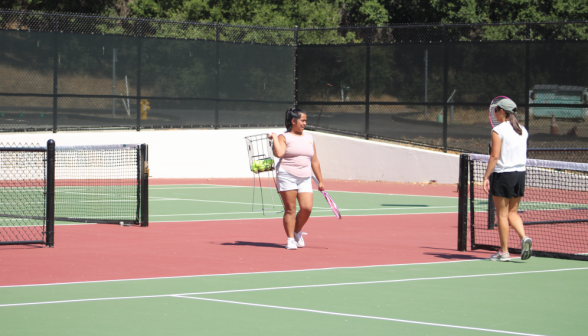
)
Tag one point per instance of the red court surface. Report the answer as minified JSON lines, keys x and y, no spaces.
{"x":109,"y":252}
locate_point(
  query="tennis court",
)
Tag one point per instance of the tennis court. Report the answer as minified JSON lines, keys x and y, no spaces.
{"x":209,"y":265}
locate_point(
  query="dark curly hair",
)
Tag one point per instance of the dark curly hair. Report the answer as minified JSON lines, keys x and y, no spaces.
{"x":293,"y":114}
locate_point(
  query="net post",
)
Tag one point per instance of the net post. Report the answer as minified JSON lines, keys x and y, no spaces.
{"x":462,"y":217}
{"x":144,"y":164}
{"x":472,"y":207}
{"x":491,"y":206}
{"x":50,"y":197}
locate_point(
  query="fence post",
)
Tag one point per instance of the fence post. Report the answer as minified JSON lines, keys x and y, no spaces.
{"x":367,"y":84}
{"x":445,"y":75}
{"x":217,"y":95}
{"x":139,"y":49}
{"x":296,"y":66}
{"x":462,"y":205}
{"x":527,"y":74}
{"x":50,"y":197}
{"x":55,"y":70}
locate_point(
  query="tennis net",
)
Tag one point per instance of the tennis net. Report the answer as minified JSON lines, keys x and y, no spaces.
{"x":26,"y":194}
{"x":101,"y":184}
{"x":554,"y":209}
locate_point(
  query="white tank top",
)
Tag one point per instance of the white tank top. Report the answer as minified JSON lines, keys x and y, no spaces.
{"x":513,"y":153}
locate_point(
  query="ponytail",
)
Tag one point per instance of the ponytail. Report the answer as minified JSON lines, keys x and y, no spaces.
{"x":514,"y":122}
{"x":292,"y":114}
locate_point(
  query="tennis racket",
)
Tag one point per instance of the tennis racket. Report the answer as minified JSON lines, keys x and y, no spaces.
{"x":329,"y":200}
{"x":493,"y":105}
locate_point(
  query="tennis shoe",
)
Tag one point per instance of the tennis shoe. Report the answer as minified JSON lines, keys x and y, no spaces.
{"x":526,"y":248}
{"x":298,"y":238}
{"x":500,"y":256}
{"x":291,"y":244}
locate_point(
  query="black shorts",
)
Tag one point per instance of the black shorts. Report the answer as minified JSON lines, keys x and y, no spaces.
{"x":509,"y":185}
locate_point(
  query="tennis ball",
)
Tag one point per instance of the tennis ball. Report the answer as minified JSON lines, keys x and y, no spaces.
{"x":268,"y":164}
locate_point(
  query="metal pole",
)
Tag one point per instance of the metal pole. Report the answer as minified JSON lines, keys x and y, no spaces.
{"x":367,"y":84}
{"x":462,"y":205}
{"x":445,"y":76}
{"x":113,"y":80}
{"x":296,"y":67}
{"x":527,"y":76}
{"x":426,"y":78}
{"x":144,"y":185}
{"x":216,"y":112}
{"x":55,"y":71}
{"x":139,"y":47}
{"x":50,"y":198}
{"x":491,"y":206}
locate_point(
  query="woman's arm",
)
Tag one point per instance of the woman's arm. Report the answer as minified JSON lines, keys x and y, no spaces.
{"x":279,"y":144}
{"x":494,"y":156}
{"x":316,"y":168}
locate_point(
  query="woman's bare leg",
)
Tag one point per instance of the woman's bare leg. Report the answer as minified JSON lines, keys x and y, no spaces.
{"x":502,"y":213}
{"x":513,"y":216}
{"x":289,"y":199}
{"x":305,"y":202}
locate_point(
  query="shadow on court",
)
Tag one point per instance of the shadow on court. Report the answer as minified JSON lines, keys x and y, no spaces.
{"x":451,"y":255}
{"x":257,"y":244}
{"x":407,"y":205}
{"x":272,"y":245}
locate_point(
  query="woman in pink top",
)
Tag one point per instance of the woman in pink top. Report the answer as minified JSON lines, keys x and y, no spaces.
{"x":298,"y":161}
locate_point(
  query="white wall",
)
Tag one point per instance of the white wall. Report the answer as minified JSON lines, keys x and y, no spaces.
{"x":357,"y":159}
{"x":223,"y":154}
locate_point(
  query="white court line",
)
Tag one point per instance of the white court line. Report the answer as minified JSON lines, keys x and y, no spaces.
{"x":277,"y":217}
{"x":341,"y":191}
{"x":248,"y":273}
{"x":315,"y":209}
{"x":358,"y":316}
{"x":286,"y":287}
{"x":155,"y":198}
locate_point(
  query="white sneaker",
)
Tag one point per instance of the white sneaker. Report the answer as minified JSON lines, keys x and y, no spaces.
{"x":298,"y":238}
{"x":526,"y":248}
{"x":291,"y":244}
{"x":500,"y":256}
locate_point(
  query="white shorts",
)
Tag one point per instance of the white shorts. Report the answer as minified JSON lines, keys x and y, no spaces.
{"x":287,"y":181}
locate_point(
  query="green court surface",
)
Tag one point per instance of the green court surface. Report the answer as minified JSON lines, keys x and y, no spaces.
{"x":536,"y":297}
{"x":210,"y":202}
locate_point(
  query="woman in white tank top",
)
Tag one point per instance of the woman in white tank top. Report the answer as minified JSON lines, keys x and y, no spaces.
{"x":298,"y":161}
{"x":505,"y":176}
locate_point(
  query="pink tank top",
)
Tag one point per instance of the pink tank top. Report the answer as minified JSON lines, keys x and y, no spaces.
{"x":299,"y":152}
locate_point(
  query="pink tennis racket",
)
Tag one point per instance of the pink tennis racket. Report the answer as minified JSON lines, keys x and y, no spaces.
{"x":329,"y":200}
{"x":493,"y":105}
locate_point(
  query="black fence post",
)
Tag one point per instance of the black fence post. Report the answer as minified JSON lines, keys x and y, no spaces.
{"x":217,"y":95}
{"x":445,"y":75}
{"x":367,"y":84}
{"x":462,"y":205}
{"x":50,"y":197}
{"x":527,"y":75}
{"x":139,"y":50}
{"x":296,"y":66}
{"x":55,"y":70}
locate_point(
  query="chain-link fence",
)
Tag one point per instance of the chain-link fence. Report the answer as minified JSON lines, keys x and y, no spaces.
{"x":424,"y":84}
